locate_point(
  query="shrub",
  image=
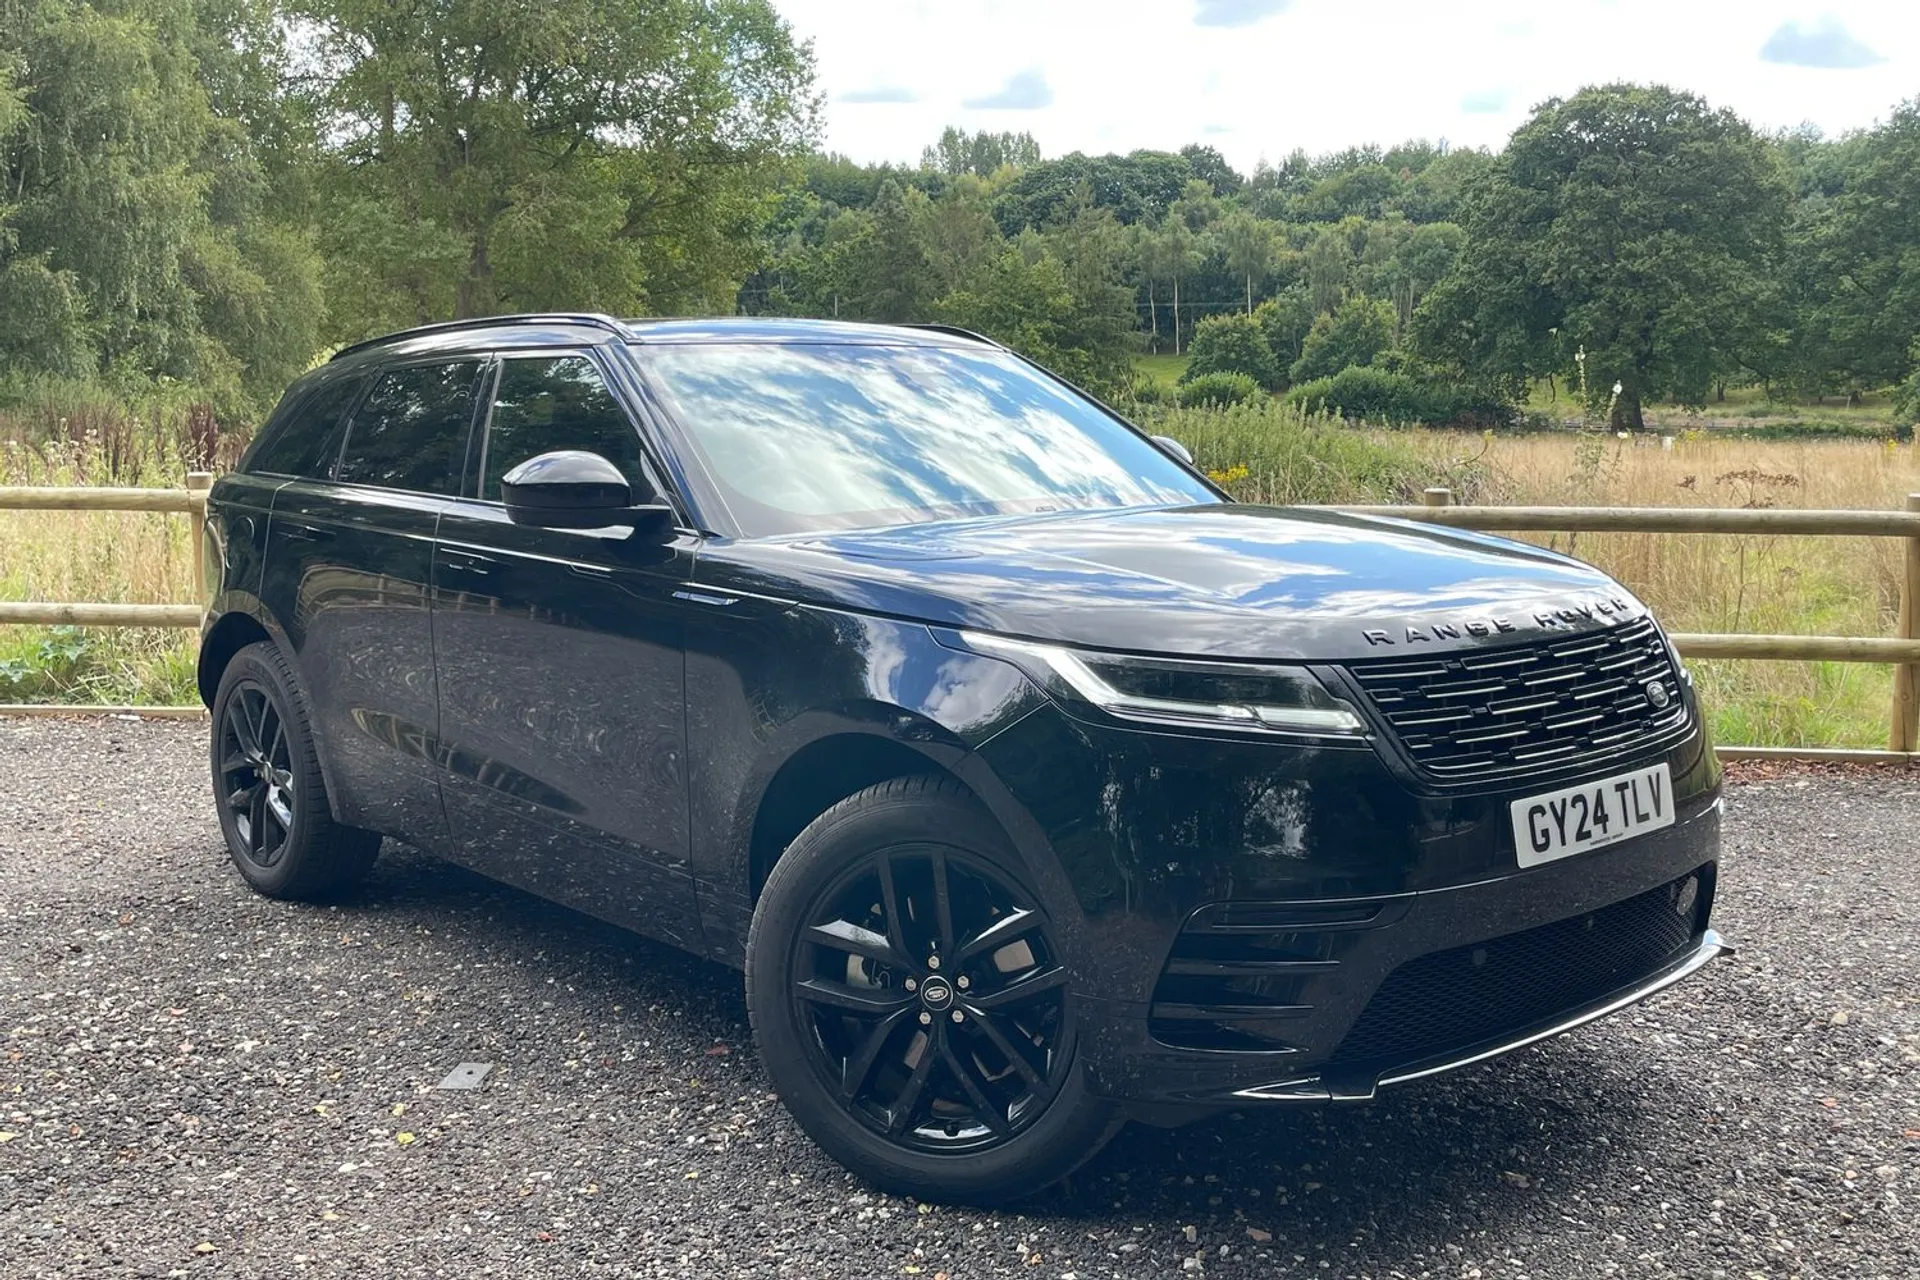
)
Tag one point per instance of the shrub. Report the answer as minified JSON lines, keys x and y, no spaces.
{"x":1380,"y":395}
{"x":1219,"y":389}
{"x":1231,"y":344}
{"x":1353,"y":335}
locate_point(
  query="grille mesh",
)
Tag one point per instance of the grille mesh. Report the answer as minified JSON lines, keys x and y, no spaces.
{"x":1452,"y":999}
{"x":1528,"y":709}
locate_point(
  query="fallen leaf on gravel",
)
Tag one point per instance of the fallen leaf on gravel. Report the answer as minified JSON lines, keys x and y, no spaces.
{"x":1191,"y":1233}
{"x":544,"y":1237}
{"x":1910,"y":1133}
{"x":329,"y":1216}
{"x":399,"y":1108}
{"x":404,"y":1139}
{"x":8,"y":1136}
{"x":692,"y":1174}
{"x":719,"y":1051}
{"x":1516,"y":1179}
{"x":205,"y":1246}
{"x":1258,"y":1236}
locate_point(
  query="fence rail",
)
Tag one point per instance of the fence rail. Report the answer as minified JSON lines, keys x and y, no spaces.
{"x":1902,"y":650}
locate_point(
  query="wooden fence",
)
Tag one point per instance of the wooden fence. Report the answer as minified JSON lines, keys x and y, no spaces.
{"x":1901,"y":650}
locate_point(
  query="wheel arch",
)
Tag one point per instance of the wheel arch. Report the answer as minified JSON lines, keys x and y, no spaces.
{"x":815,"y":778}
{"x":233,"y":631}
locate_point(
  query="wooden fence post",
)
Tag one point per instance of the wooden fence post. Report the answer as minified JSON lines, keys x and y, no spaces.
{"x":198,"y":482}
{"x":1439,"y":496}
{"x":1905,"y":734}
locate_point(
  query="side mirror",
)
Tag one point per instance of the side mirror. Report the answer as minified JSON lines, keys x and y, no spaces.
{"x":573,"y":489}
{"x":1175,"y":448}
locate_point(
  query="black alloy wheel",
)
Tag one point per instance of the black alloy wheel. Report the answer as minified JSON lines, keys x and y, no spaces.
{"x":934,"y":997}
{"x":912,"y":999}
{"x":256,"y":774}
{"x":268,"y":787}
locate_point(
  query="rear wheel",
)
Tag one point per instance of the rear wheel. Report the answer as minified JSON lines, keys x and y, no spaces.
{"x":266,"y":781}
{"x":912,"y":1000}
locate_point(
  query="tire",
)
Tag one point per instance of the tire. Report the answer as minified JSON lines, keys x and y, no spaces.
{"x":268,"y":789}
{"x":850,"y":1008}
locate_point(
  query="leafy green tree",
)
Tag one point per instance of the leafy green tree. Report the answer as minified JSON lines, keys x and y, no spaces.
{"x":1353,"y":334}
{"x":1210,"y":167}
{"x":508,"y":154}
{"x":1248,"y":244}
{"x":1285,"y":319}
{"x":1231,"y":344}
{"x":1138,"y":187}
{"x":1175,"y":249}
{"x":1633,"y":220}
{"x":1329,"y":263}
{"x":1857,"y":262}
{"x":980,"y":154}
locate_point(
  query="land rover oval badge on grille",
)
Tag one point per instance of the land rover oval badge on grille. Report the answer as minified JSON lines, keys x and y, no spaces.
{"x":1657,"y":694}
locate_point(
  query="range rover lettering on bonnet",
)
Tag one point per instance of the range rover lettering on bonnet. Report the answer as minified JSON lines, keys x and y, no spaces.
{"x":1600,"y":610}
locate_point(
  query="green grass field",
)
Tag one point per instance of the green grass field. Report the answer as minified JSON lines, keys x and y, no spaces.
{"x":1162,"y":370}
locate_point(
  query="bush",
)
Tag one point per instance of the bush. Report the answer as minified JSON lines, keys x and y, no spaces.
{"x":1379,"y":395}
{"x":1360,"y":330}
{"x":1231,"y":344}
{"x":1218,"y":389}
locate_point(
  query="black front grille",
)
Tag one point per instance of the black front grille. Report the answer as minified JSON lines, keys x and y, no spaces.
{"x":1528,"y":709}
{"x":1453,"y":999}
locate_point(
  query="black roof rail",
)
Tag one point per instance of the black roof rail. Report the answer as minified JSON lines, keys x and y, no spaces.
{"x":592,"y":318}
{"x":956,"y":331}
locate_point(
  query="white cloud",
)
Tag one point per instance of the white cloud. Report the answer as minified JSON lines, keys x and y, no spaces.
{"x":1120,"y":74}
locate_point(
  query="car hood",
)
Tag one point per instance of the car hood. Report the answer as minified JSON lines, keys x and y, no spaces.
{"x":1226,"y":580}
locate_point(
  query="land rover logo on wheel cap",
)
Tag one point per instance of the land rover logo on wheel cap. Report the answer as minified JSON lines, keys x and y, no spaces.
{"x":1657,"y":694}
{"x":935,"y":993}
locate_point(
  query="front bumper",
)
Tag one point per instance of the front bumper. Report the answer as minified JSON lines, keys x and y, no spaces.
{"x":1337,"y":1086}
{"x":1239,"y":907}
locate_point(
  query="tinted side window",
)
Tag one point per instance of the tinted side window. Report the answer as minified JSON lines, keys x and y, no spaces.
{"x":555,"y":403}
{"x":411,"y":430}
{"x":305,"y":440}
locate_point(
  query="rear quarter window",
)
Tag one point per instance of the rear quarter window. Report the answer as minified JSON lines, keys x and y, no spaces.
{"x":303,"y":437}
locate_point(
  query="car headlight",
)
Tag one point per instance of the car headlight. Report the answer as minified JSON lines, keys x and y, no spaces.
{"x":1222,"y":695}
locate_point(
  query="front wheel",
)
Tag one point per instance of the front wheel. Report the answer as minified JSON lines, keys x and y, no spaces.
{"x":912,"y":1000}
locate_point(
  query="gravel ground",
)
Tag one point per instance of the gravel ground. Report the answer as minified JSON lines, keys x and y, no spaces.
{"x":198,"y":1081}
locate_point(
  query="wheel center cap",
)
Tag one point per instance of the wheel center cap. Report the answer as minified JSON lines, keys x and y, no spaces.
{"x":935,"y":993}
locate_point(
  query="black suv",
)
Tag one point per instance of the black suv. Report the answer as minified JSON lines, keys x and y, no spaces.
{"x":1033,"y":783}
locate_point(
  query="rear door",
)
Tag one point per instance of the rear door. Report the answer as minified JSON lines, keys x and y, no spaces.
{"x":561,"y":664}
{"x":349,"y":562}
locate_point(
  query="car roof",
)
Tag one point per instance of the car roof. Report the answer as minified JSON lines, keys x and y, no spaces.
{"x":566,"y":329}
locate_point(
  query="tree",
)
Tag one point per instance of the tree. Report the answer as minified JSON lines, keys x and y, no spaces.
{"x":1329,"y":261}
{"x":979,"y":154}
{"x":1634,"y":220}
{"x":1285,"y":320}
{"x":139,"y":236}
{"x":1248,"y":243}
{"x":1352,"y":335}
{"x":1175,"y":248}
{"x":507,"y":154}
{"x":1231,"y":344}
{"x":1856,"y":261}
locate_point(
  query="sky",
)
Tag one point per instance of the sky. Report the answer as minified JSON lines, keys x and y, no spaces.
{"x":1258,"y":78}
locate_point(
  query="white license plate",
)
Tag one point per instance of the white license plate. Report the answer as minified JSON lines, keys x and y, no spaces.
{"x":1575,"y":819}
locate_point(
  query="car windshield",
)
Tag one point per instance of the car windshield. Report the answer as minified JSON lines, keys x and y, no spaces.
{"x":797,"y":437}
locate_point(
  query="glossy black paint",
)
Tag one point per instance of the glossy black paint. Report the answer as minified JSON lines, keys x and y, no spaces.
{"x":636,"y":725}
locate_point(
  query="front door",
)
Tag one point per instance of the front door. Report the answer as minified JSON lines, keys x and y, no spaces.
{"x":562,"y":681}
{"x":349,"y":564}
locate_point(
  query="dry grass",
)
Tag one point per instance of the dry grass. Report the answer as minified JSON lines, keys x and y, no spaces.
{"x":1719,"y":582}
